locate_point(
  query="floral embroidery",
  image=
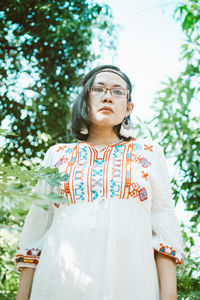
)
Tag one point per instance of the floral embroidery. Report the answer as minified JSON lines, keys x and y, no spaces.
{"x":144,"y":175}
{"x":134,"y":189}
{"x":137,"y":146}
{"x":150,"y":148}
{"x":136,"y":158}
{"x":137,"y":191}
{"x":75,"y":165}
{"x":140,"y":160}
{"x":29,"y":256}
{"x":145,"y":163}
{"x":61,"y":148}
{"x":143,"y":194}
{"x":170,"y":252}
{"x":64,"y":159}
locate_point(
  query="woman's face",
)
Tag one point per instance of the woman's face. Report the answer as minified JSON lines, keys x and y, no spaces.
{"x":108,"y":109}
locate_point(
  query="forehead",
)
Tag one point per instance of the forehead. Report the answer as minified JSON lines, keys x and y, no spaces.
{"x":110,"y":79}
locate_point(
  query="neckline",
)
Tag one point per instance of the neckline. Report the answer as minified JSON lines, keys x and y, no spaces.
{"x":102,"y":148}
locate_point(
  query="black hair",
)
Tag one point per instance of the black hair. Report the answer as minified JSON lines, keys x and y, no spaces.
{"x":80,"y":109}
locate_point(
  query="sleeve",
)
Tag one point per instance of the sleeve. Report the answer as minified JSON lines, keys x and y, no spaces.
{"x":166,"y":231}
{"x":36,"y":225}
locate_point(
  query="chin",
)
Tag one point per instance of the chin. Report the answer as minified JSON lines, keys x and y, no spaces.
{"x":104,"y":123}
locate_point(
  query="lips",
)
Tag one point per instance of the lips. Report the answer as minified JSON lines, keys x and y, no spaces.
{"x":106,"y":108}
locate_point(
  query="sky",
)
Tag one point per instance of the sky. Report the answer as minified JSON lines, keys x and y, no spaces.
{"x":148,"y":51}
{"x":148,"y":46}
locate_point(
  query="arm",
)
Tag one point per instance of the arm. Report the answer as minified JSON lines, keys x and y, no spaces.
{"x":166,"y":234}
{"x":166,"y":267}
{"x":36,"y":224}
{"x":25,"y":283}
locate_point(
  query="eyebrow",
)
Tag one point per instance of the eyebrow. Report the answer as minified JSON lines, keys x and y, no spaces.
{"x":114,"y":85}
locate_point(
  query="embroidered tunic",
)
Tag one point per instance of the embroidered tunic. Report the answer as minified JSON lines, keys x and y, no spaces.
{"x":100,"y":244}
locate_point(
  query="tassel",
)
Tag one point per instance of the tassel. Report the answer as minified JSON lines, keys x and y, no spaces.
{"x":126,"y":130}
{"x":84,"y":130}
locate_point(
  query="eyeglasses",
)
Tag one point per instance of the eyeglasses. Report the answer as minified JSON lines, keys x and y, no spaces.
{"x":115,"y":92}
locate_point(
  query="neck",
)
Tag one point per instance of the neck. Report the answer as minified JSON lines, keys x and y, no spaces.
{"x":102,"y":136}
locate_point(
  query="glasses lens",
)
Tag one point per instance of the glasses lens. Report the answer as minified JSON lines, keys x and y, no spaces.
{"x":116,"y":92}
{"x":119,"y":92}
{"x":97,"y":90}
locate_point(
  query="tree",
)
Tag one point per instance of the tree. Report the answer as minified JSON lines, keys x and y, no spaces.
{"x":176,"y":126}
{"x":16,"y":196}
{"x":176,"y":117}
{"x":45,"y":47}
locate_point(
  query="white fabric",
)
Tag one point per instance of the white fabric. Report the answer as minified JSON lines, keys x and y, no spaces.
{"x":102,"y":246}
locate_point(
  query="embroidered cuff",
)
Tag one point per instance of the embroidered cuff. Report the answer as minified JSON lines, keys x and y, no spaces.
{"x":27,"y":257}
{"x":170,"y":251}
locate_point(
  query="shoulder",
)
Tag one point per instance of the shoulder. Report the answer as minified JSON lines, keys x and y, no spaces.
{"x":56,"y":151}
{"x":146,"y":144}
{"x":61,"y":147}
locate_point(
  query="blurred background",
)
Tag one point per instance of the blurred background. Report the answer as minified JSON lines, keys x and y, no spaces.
{"x":46,"y":47}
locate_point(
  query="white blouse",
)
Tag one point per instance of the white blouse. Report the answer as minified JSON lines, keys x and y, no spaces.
{"x":99,"y":242}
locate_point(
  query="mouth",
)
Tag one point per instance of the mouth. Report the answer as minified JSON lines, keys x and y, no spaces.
{"x":107,"y":109}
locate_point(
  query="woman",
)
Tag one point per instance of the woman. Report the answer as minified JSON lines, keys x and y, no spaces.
{"x":117,"y":236}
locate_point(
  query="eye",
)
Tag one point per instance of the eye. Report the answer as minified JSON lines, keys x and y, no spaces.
{"x":97,"y":89}
{"x":118,"y":92}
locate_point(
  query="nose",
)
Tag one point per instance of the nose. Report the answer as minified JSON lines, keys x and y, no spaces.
{"x":107,"y":96}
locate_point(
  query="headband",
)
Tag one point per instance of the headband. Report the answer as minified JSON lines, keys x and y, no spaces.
{"x":111,"y":71}
{"x":108,"y":70}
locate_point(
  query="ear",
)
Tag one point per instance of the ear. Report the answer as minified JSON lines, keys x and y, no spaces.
{"x":129,"y":108}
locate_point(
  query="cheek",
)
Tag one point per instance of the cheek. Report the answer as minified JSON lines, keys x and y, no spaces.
{"x":121,"y":110}
{"x":92,"y":107}
{"x":90,"y":104}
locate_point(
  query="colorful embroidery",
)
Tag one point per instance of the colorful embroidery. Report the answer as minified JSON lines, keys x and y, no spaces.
{"x":88,"y":171}
{"x":143,"y":194}
{"x":134,"y":189}
{"x":63,"y":160}
{"x":69,"y":150}
{"x":70,"y":170}
{"x":137,"y":191}
{"x":145,"y":175}
{"x":145,"y":163}
{"x":137,"y":146}
{"x":136,"y":158}
{"x":61,"y":148}
{"x":128,"y":163}
{"x":150,"y":148}
{"x":140,"y":160}
{"x":167,"y":250}
{"x":116,"y":171}
{"x":170,"y":252}
{"x":29,"y":256}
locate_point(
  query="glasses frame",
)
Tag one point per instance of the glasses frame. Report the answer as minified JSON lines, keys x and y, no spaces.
{"x":110,"y":89}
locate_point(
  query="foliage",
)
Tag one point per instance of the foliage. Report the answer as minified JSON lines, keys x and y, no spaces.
{"x":16,"y":195}
{"x":176,"y":126}
{"x":188,"y":274}
{"x":176,"y":118}
{"x":45,"y":47}
{"x":188,"y":284}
